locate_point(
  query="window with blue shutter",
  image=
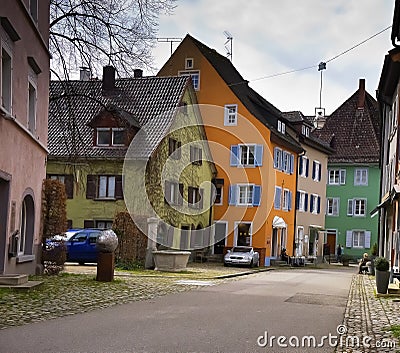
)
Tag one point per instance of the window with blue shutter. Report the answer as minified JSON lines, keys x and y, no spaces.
{"x":291,"y":169}
{"x":313,"y":170}
{"x":307,"y":166}
{"x":311,"y":203}
{"x":349,"y":238}
{"x":276,"y":157}
{"x":277,"y":200}
{"x":258,"y":155}
{"x":367,"y":239}
{"x":319,"y":205}
{"x":233,"y":194}
{"x":305,"y":202}
{"x":297,"y":199}
{"x":289,"y":200}
{"x":234,"y":155}
{"x":256,"y":195}
{"x":301,"y":167}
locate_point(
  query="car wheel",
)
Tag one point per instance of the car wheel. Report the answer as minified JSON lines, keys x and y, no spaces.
{"x":251,"y":264}
{"x":225,"y":264}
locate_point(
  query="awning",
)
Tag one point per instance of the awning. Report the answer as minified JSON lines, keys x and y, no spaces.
{"x":278,"y":222}
{"x":385,"y":201}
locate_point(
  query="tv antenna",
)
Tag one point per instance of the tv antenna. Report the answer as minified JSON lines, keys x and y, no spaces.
{"x":169,"y":40}
{"x":228,"y":45}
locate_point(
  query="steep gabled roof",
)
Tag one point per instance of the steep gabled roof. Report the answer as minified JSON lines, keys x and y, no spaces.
{"x":353,"y":130}
{"x":254,"y":102}
{"x":139,"y":101}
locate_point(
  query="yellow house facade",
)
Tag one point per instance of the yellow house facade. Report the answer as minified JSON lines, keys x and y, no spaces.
{"x":256,"y":159}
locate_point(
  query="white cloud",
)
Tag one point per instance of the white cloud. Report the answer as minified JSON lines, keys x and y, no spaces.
{"x":277,"y":36}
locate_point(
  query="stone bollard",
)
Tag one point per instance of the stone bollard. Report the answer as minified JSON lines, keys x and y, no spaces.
{"x":107,"y":242}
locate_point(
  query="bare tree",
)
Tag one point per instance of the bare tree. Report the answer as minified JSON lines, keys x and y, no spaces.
{"x":94,"y":33}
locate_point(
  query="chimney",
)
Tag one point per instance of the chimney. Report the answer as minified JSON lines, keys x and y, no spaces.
{"x":361,"y":94}
{"x":84,"y":73}
{"x":137,"y":73}
{"x":108,"y":78}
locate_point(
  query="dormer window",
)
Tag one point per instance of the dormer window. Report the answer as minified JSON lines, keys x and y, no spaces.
{"x":281,"y":127}
{"x":107,"y":137}
{"x":305,"y":130}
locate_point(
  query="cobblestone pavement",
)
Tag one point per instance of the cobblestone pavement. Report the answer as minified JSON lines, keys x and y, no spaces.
{"x":367,"y":319}
{"x":76,"y":291}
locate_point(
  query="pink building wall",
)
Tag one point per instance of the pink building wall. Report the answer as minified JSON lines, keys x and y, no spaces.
{"x":22,"y":148}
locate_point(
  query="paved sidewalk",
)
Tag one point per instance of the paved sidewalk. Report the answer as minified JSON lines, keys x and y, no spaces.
{"x":369,"y":318}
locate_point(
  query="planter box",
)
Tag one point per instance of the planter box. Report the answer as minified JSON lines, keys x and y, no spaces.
{"x":382,"y":281}
{"x":170,"y":260}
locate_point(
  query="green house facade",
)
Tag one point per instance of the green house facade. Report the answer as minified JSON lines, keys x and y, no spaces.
{"x":97,"y":127}
{"x":353,"y":175}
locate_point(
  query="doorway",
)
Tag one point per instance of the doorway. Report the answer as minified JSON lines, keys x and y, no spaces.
{"x":331,"y":240}
{"x":220,"y":230}
{"x":4,"y":197}
{"x":243,"y":234}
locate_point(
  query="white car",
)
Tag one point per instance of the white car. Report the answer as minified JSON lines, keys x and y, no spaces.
{"x":242,"y":255}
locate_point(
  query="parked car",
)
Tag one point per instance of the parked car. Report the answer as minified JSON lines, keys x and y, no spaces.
{"x":81,"y":247}
{"x":242,"y":255}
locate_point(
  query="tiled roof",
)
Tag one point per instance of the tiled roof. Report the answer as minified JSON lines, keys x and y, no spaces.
{"x":255,"y":103}
{"x":354,"y":133}
{"x":139,"y":101}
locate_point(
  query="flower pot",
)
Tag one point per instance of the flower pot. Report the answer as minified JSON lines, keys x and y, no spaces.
{"x":345,"y":262}
{"x":172,"y":261}
{"x":382,"y":281}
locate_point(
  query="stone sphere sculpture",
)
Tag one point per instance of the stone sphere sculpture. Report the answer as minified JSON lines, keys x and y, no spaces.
{"x":107,"y":241}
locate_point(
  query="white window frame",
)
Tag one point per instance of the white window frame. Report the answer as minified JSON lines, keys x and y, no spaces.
{"x":110,"y":186}
{"x":335,"y":205}
{"x":230,"y":117}
{"x":97,"y":136}
{"x":281,"y":127}
{"x":356,"y":244}
{"x":221,"y":187}
{"x":249,"y":190}
{"x":114,"y":129}
{"x":189,"y":62}
{"x":285,"y":199}
{"x":317,"y":170}
{"x":354,"y":207}
{"x":195,"y":75}
{"x":7,"y":107}
{"x":279,"y":159}
{"x":361,"y":177}
{"x":302,"y":201}
{"x":303,"y":161}
{"x":314,"y":206}
{"x":32,"y":107}
{"x":338,"y":177}
{"x":248,"y":152}
{"x":305,"y":130}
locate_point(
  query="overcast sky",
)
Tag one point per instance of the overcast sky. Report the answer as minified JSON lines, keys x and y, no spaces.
{"x":275,"y":36}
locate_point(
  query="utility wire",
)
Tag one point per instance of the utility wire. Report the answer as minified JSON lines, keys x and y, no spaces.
{"x":314,"y":66}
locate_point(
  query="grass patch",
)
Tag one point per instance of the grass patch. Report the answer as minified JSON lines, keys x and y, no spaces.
{"x":395,"y":330}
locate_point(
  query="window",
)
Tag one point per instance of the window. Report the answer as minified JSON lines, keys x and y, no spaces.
{"x":248,"y":155}
{"x":67,"y":180}
{"x":31,"y":107}
{"x":245,"y":195}
{"x":196,"y":155}
{"x":301,"y":201}
{"x":173,"y":193}
{"x":6,"y":68}
{"x":104,"y":187}
{"x":287,"y":200}
{"x":357,"y":207}
{"x":33,"y":9}
{"x":195,"y":75}
{"x":305,"y":130}
{"x":281,"y":127}
{"x":303,"y":166}
{"x":188,"y":63}
{"x":195,"y":197}
{"x":277,"y":158}
{"x":283,"y":160}
{"x":332,"y":206}
{"x":104,"y":224}
{"x":174,"y":148}
{"x":337,"y":176}
{"x":218,"y":190}
{"x":361,"y":177}
{"x":315,"y":204}
{"x":230,"y":115}
{"x":316,"y":171}
{"x":358,"y":239}
{"x":110,"y":137}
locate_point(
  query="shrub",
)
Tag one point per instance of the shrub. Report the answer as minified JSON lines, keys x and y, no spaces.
{"x":381,"y":264}
{"x":374,"y":250}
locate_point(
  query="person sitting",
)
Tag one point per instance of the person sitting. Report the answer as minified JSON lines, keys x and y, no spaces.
{"x":362,"y":266}
{"x":284,"y":255}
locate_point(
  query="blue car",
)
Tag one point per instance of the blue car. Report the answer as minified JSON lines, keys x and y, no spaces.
{"x":81,"y":247}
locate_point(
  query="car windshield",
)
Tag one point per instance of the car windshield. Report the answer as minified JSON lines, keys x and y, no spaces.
{"x":241,"y":249}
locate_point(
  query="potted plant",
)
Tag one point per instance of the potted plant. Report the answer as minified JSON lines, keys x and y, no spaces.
{"x":346,"y":259}
{"x":382,"y":274}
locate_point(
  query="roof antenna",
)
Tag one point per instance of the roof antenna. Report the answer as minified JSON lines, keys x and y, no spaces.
{"x":319,"y":118}
{"x":228,"y":45}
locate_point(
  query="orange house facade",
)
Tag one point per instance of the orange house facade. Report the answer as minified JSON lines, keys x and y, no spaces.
{"x":256,"y":159}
